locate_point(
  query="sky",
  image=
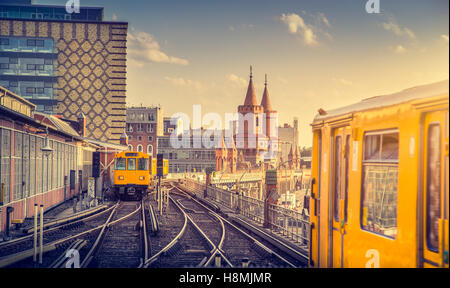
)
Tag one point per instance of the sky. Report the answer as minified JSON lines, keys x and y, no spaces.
{"x":316,"y":53}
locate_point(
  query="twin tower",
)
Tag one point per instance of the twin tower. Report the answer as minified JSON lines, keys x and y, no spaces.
{"x":256,"y":137}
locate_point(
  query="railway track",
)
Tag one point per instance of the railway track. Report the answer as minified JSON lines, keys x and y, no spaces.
{"x":123,"y":241}
{"x":208,"y":240}
{"x":17,"y":252}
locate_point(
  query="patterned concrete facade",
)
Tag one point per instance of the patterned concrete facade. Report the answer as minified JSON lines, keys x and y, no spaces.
{"x":91,"y":70}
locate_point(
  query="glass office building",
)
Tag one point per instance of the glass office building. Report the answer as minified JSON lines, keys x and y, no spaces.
{"x":66,"y":63}
{"x":28,"y":68}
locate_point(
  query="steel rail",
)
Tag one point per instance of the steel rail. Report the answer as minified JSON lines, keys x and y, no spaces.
{"x":173,"y":242}
{"x":216,"y":249}
{"x":246,"y":234}
{"x":144,"y":235}
{"x":15,"y":241}
{"x":87,"y":259}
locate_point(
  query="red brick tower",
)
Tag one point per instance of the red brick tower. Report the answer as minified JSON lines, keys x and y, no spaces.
{"x":269,"y":127}
{"x":250,"y":123}
{"x":221,"y":156}
{"x":232,"y":157}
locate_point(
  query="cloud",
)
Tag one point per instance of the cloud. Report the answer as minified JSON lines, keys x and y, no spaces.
{"x":238,"y":81}
{"x":445,"y":38}
{"x":241,"y":27}
{"x":181,"y":82}
{"x":400,"y":49}
{"x":393,"y":27}
{"x":297,"y":26}
{"x":143,"y":48}
{"x":342,"y":81}
{"x":323,"y":19}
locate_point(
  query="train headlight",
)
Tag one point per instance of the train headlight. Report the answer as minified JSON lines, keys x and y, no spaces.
{"x":142,"y":178}
{"x":121,"y":178}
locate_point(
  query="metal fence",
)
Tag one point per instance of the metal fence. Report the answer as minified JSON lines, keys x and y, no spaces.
{"x":287,"y":222}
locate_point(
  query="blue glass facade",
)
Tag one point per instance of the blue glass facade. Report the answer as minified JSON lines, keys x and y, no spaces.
{"x":28,"y":67}
{"x":45,"y":12}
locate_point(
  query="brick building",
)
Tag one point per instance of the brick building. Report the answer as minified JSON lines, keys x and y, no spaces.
{"x":144,"y":126}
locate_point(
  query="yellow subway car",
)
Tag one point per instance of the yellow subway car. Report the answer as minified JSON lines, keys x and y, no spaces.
{"x":132,"y":177}
{"x":380,"y":191}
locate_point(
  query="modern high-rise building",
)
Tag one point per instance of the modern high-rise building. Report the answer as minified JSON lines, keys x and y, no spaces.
{"x":66,"y":63}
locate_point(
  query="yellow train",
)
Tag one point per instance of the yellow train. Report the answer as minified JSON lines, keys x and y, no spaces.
{"x":134,"y":173}
{"x":380,"y":191}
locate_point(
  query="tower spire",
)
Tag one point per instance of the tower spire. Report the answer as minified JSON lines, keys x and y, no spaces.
{"x":250,"y":98}
{"x":265,"y":100}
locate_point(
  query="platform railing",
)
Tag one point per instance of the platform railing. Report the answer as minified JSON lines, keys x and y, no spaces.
{"x":291,"y":224}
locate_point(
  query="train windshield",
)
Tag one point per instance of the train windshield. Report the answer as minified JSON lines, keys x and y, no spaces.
{"x":131,"y":164}
{"x":121,"y":163}
{"x":142,"y":164}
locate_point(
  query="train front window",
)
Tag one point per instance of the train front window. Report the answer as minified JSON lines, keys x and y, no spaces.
{"x":131,"y":164}
{"x":121,"y":163}
{"x":142,"y":164}
{"x":380,"y":183}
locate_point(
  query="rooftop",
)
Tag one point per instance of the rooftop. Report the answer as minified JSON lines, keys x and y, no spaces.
{"x":26,"y":9}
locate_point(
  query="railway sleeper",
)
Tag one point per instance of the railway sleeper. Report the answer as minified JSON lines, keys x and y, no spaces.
{"x":174,"y":250}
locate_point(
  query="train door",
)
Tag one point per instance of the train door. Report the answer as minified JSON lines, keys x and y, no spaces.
{"x":339,"y":190}
{"x":435,"y":190}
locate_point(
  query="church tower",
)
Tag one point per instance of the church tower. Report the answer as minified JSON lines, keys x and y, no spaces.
{"x":250,"y":125}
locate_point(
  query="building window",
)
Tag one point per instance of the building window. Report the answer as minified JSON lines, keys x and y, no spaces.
{"x":129,"y":128}
{"x":4,"y":41}
{"x":31,"y":42}
{"x":380,"y":183}
{"x":48,"y":61}
{"x":150,"y":149}
{"x":139,"y":138}
{"x":139,"y":148}
{"x":150,"y":128}
{"x":4,"y":66}
{"x":13,"y":61}
{"x":150,"y":138}
{"x":5,"y":164}
{"x":139,"y":127}
{"x":130,"y":147}
{"x":30,"y":90}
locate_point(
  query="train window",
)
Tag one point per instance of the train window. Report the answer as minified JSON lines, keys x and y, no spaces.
{"x":380,"y":184}
{"x":381,"y":147}
{"x":142,"y":164}
{"x":131,"y":164}
{"x":372,"y":147}
{"x":347,"y":163}
{"x":389,"y":149}
{"x":121,"y":163}
{"x":433,"y":186}
{"x":337,"y":176}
